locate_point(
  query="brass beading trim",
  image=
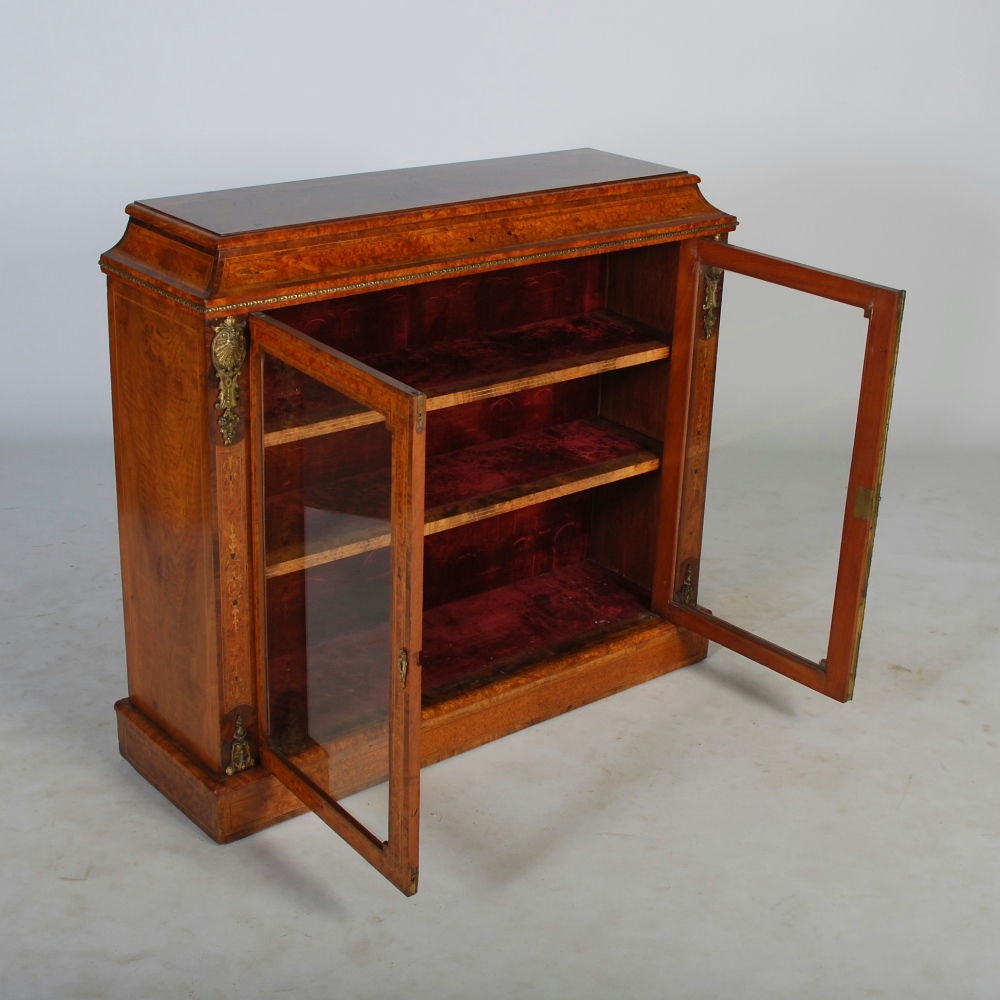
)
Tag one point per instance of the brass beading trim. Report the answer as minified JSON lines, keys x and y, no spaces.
{"x":412,"y":278}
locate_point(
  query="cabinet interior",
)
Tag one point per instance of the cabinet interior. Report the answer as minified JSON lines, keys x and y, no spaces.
{"x":546,"y":394}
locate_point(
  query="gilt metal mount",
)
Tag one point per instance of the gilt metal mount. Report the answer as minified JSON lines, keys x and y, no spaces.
{"x":229,"y":351}
{"x":710,"y":304}
{"x":685,"y":595}
{"x":240,"y":757}
{"x":865,"y":504}
{"x":404,"y":665}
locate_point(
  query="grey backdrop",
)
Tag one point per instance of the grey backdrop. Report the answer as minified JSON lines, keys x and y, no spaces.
{"x":860,"y":136}
{"x":716,"y":833}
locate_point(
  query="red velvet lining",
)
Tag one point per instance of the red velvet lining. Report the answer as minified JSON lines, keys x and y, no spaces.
{"x":484,"y":420}
{"x":495,"y":465}
{"x":456,"y":362}
{"x":463,"y":306}
{"x":467,"y":642}
{"x":497,"y":551}
{"x":478,"y":637}
{"x":455,"y":476}
{"x":291,"y":398}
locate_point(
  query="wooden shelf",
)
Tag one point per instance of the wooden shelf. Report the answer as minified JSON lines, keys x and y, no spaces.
{"x":480,"y":639}
{"x":461,"y":371}
{"x":350,"y":516}
{"x":472,"y":643}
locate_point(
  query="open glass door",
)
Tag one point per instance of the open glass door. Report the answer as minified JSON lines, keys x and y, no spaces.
{"x":338,"y":501}
{"x":687,"y":479}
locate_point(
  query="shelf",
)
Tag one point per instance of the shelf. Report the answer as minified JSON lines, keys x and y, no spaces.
{"x":477,"y":640}
{"x":469,"y":644}
{"x":350,"y":516}
{"x":461,"y":371}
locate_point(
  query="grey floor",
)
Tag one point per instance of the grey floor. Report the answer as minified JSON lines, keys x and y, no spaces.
{"x":716,"y":833}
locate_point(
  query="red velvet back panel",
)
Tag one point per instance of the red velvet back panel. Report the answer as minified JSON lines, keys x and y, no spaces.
{"x":507,"y":416}
{"x":418,"y":315}
{"x":493,"y":553}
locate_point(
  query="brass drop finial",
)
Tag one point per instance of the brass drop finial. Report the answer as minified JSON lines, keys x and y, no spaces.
{"x":240,"y":758}
{"x":229,"y":351}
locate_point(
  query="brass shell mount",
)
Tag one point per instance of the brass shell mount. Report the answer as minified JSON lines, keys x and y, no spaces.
{"x":229,"y":351}
{"x":710,"y":304}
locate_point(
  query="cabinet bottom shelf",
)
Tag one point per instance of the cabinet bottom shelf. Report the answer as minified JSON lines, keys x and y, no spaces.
{"x":473,"y":648}
{"x":473,"y":641}
{"x":228,"y":809}
{"x":563,"y":666}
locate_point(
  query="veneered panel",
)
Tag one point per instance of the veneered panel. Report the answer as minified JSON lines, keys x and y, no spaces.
{"x":300,"y":202}
{"x":165,"y":517}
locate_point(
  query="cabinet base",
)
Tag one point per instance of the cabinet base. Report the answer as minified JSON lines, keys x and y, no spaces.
{"x":230,"y":808}
{"x":225,"y":808}
{"x":560,"y":680}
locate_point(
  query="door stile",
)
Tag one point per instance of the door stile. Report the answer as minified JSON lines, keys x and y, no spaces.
{"x":397,"y":858}
{"x":676,"y":507}
{"x":693,"y":356}
{"x":405,"y":698}
{"x":861,"y":508}
{"x":334,"y":815}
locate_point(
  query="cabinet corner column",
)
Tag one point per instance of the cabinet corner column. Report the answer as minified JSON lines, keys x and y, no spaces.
{"x":238,"y":730}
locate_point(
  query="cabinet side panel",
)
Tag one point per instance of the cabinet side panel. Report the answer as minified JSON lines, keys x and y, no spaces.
{"x":158,"y":376}
{"x":625,"y":519}
{"x":641,"y":285}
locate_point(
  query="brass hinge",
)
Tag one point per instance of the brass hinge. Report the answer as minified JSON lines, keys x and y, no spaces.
{"x":865,"y":502}
{"x":710,"y":304}
{"x":404,"y":665}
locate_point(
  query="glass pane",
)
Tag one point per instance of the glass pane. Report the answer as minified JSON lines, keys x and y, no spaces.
{"x":786,"y":400}
{"x":327,"y":503}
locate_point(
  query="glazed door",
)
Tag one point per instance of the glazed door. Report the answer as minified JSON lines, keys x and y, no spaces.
{"x":338,"y":501}
{"x":683,"y":569}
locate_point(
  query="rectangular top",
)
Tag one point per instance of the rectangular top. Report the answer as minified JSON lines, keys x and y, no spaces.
{"x":275,"y":206}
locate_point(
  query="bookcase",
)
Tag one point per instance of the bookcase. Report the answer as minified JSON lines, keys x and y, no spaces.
{"x":411,"y":460}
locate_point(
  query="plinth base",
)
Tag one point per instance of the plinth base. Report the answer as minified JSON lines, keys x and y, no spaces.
{"x":225,"y":808}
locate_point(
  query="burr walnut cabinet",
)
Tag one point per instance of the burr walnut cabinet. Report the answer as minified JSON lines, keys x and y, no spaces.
{"x":410,"y":460}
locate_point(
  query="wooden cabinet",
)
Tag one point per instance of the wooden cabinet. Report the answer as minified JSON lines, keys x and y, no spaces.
{"x":408,"y":461}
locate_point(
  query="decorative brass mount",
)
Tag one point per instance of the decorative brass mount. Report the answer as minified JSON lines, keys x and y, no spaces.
{"x":404,"y":665}
{"x":229,"y":351}
{"x":240,"y":757}
{"x":865,"y":504}
{"x":685,"y":595}
{"x":710,"y":304}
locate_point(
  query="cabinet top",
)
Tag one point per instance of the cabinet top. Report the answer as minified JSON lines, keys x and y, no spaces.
{"x":274,"y":206}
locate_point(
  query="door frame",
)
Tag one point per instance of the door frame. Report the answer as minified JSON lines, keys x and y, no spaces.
{"x":397,"y":858}
{"x":686,"y":452}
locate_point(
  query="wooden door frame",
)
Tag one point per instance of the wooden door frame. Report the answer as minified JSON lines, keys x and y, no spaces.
{"x":403,"y":408}
{"x":686,"y":451}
